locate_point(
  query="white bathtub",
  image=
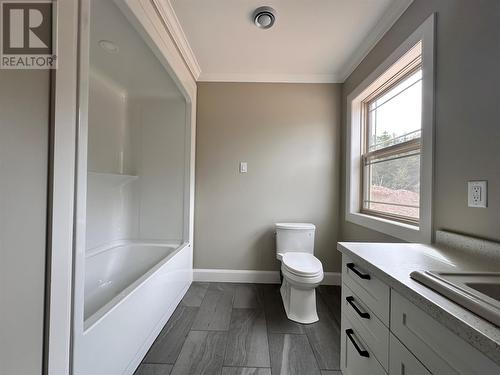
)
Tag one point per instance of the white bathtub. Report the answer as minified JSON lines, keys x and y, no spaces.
{"x":130,"y":292}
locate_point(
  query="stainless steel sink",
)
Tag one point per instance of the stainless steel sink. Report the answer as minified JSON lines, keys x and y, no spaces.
{"x":490,"y":289}
{"x":478,"y":292}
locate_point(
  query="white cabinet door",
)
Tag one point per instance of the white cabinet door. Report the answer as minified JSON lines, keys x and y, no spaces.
{"x":356,"y":356}
{"x":402,"y":362}
{"x":439,"y":349}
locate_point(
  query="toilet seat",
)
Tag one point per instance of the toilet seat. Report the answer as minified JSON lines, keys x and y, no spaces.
{"x":303,"y":265}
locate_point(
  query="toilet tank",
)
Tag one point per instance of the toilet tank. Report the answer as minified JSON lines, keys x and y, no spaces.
{"x":294,"y":237}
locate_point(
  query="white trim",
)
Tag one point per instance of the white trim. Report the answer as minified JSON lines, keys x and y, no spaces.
{"x":81,"y":176}
{"x":332,"y":278}
{"x":270,"y":78}
{"x":64,"y":117}
{"x":236,"y":276}
{"x":252,"y":276}
{"x":423,"y":233}
{"x":174,"y":28}
{"x":374,"y":36}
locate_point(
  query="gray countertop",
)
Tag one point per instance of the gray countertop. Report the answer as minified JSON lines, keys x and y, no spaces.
{"x":392,"y":263}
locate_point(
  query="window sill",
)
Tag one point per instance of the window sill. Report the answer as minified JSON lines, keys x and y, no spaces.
{"x":403,"y":231}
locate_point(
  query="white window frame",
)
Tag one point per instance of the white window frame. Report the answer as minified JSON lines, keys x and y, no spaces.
{"x":407,"y":232}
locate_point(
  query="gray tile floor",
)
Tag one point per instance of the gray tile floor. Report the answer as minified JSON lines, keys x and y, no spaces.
{"x":242,"y":329}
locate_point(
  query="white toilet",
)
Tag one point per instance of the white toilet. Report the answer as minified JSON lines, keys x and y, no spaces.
{"x":302,"y":271}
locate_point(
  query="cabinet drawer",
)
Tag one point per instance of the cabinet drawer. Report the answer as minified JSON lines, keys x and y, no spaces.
{"x":439,"y":349}
{"x":366,"y":323}
{"x":356,"y":356}
{"x":403,"y":362}
{"x":373,"y":292}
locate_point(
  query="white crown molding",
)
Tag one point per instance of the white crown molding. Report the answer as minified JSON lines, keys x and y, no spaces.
{"x":374,"y":36}
{"x":173,"y":26}
{"x":167,"y":14}
{"x":251,"y":276}
{"x":270,"y":77}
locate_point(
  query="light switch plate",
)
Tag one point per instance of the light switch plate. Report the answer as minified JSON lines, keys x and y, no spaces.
{"x":478,"y":194}
{"x":243,"y":167}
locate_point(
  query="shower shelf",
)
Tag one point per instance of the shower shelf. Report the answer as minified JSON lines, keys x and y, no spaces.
{"x":113,"y":178}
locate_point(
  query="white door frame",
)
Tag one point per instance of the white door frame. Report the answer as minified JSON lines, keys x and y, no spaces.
{"x":61,"y":192}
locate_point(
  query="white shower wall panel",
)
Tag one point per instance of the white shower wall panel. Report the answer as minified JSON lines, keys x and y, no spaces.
{"x":159,"y":151}
{"x":112,"y":211}
{"x":109,"y":141}
{"x":112,"y":207}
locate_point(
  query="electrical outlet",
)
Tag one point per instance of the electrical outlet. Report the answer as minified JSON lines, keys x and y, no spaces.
{"x":477,"y":193}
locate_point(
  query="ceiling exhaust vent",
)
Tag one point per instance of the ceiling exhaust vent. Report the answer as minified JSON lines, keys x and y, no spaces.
{"x":264,"y":17}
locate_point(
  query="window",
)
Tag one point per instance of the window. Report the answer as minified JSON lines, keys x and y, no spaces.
{"x":392,"y":125}
{"x":390,"y":142}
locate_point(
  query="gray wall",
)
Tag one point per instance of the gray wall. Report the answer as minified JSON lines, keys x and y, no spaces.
{"x":467,"y":111}
{"x":24,"y":132}
{"x":234,"y":213}
{"x":289,"y":135}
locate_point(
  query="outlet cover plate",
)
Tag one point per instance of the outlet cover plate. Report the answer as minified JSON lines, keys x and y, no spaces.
{"x":478,"y":194}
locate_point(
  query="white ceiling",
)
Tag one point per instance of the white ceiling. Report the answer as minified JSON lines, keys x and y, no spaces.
{"x":135,"y":70}
{"x":312,"y":40}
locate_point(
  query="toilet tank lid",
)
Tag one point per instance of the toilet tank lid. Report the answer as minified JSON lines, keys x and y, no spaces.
{"x":295,"y":226}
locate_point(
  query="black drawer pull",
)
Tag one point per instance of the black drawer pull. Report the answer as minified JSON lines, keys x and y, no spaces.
{"x":363,"y":353}
{"x":362,"y":314}
{"x":352,"y":267}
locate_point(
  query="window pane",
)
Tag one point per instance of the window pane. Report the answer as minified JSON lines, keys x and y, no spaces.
{"x":394,"y":186}
{"x":395,"y":117}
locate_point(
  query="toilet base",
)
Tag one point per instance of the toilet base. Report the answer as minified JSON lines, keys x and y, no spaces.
{"x":299,"y":303}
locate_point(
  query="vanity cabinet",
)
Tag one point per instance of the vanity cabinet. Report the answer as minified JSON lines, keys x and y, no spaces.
{"x":384,"y":333}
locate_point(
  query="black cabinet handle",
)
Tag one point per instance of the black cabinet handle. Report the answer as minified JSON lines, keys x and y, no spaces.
{"x":352,"y":267}
{"x":362,"y":314}
{"x":350,"y":333}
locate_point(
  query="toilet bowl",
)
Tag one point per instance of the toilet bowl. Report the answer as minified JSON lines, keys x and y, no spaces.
{"x":302,"y":271}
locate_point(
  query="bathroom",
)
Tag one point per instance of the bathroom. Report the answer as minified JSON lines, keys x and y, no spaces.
{"x":227,"y":188}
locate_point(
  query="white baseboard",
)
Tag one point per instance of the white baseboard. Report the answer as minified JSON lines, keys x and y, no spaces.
{"x":236,"y":276}
{"x":251,"y":276}
{"x":332,"y":278}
